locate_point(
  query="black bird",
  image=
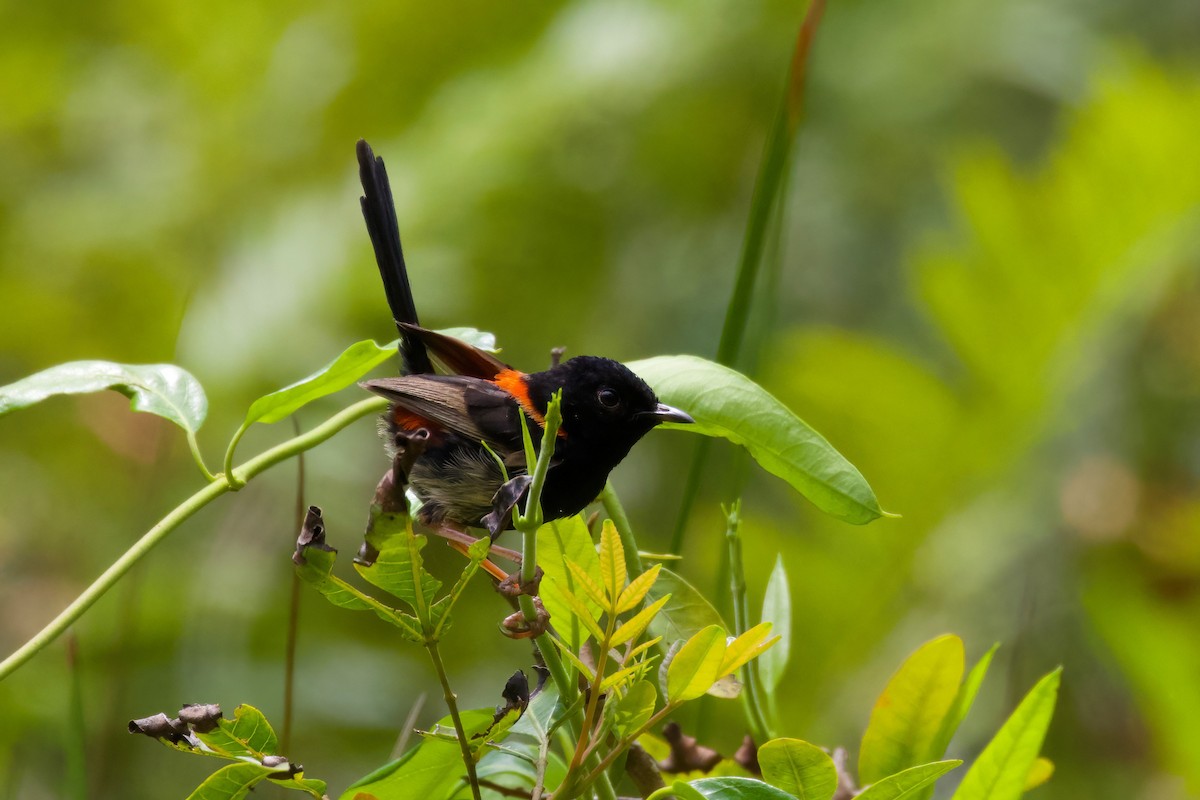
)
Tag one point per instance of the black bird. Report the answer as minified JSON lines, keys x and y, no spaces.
{"x":468,"y":420}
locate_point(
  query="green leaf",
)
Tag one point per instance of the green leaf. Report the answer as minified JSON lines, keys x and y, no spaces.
{"x":777,"y":609}
{"x":580,"y":611}
{"x":562,"y":542}
{"x":908,"y":714}
{"x":163,"y":389}
{"x":685,"y":614}
{"x":747,"y":646}
{"x":398,"y":568}
{"x":1004,"y":766}
{"x":427,"y":771}
{"x":635,"y":625}
{"x":727,"y":404}
{"x":317,"y":571}
{"x":612,"y":563}
{"x":232,"y":782}
{"x":355,"y":361}
{"x":799,"y":768}
{"x":738,"y":789}
{"x":591,"y":589}
{"x":958,"y":711}
{"x":910,"y":783}
{"x":637,"y":589}
{"x":247,"y":734}
{"x":696,"y":666}
{"x":634,"y":708}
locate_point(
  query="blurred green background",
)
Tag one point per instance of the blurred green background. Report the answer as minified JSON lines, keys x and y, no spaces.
{"x":988,"y":299}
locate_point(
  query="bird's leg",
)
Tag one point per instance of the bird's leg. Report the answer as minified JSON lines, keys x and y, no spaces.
{"x":461,"y":541}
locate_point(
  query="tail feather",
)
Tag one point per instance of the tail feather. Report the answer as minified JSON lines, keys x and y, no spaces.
{"x":379,"y":211}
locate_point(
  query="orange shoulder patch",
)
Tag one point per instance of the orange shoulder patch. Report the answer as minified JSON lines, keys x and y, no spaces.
{"x":513,"y":382}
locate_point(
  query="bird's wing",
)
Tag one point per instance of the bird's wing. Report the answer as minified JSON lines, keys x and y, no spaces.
{"x":474,"y":408}
{"x":458,"y":357}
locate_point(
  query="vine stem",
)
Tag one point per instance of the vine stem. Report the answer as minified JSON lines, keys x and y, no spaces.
{"x":452,"y":704}
{"x":752,"y":696}
{"x":219,"y":486}
{"x":616,"y":512}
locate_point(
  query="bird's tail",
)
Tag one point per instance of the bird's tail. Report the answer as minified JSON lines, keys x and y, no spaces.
{"x":379,"y":211}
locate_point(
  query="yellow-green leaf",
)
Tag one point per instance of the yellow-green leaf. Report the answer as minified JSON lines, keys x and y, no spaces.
{"x":908,"y":714}
{"x":612,"y":561}
{"x":696,"y":666}
{"x":1041,"y":771}
{"x":746,"y":647}
{"x":638,"y":623}
{"x":799,"y":768}
{"x":589,"y":586}
{"x":637,"y":589}
{"x":580,"y":611}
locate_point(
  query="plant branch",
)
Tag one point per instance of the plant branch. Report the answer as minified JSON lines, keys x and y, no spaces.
{"x":616,"y":512}
{"x":752,"y":696}
{"x":452,"y":704}
{"x":219,"y":486}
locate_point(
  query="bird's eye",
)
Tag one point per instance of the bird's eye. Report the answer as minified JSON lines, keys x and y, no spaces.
{"x":608,"y":397}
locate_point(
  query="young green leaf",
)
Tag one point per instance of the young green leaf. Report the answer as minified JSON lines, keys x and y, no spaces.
{"x":623,"y":676}
{"x":427,"y":771}
{"x":909,"y":713}
{"x":163,"y":389}
{"x":696,"y":666}
{"x":747,"y":646}
{"x":612,"y":563}
{"x":737,"y":789}
{"x":562,"y":542}
{"x":590,"y":588}
{"x":247,"y":734}
{"x":634,"y":708}
{"x":908,"y":784}
{"x":777,"y":609}
{"x":398,"y":568}
{"x":1003,"y":768}
{"x":638,"y":623}
{"x":727,"y":404}
{"x":564,"y":648}
{"x":963,"y":700}
{"x":799,"y":768}
{"x":687,"y":613}
{"x":580,"y":611}
{"x":637,"y":589}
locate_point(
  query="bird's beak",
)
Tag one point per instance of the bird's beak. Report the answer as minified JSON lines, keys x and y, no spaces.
{"x":665,"y":413}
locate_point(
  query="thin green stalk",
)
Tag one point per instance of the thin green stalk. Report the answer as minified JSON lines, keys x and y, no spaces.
{"x":233,"y":443}
{"x":293,"y":627}
{"x":769,"y":187}
{"x":752,"y":696}
{"x":616,"y":512}
{"x":176,"y":517}
{"x":198,"y":457}
{"x":452,"y":704}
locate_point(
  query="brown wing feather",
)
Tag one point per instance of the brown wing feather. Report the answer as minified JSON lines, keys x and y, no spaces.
{"x":458,"y":357}
{"x":470,"y":407}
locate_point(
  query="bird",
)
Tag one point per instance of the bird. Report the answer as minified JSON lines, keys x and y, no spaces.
{"x":471,"y":470}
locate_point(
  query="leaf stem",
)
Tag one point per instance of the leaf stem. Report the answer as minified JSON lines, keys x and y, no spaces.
{"x":198,"y":457}
{"x":219,"y":486}
{"x":234,"y":484}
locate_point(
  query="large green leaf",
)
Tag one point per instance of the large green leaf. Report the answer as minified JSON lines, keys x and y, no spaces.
{"x":355,"y":361}
{"x":163,"y":389}
{"x":685,"y":614}
{"x":428,"y":771}
{"x":908,"y":784}
{"x":727,"y":404}
{"x":1004,"y":766}
{"x":562,"y":542}
{"x":398,"y":568}
{"x":738,"y":789}
{"x":799,"y":768}
{"x":247,"y":734}
{"x":908,"y":714}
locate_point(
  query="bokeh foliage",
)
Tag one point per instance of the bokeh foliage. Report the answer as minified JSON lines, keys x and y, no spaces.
{"x":987,"y":298}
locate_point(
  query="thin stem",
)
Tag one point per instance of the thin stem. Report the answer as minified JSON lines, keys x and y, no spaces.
{"x":452,"y":704}
{"x":176,"y":517}
{"x":234,"y":484}
{"x":293,"y":627}
{"x":624,"y":744}
{"x":198,"y":457}
{"x":616,"y":512}
{"x":752,"y":696}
